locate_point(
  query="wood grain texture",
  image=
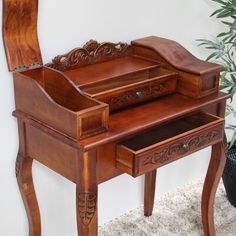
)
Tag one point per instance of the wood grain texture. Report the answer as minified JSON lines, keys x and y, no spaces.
{"x":20,"y":34}
{"x":66,"y":110}
{"x":26,"y":185}
{"x":65,"y":124}
{"x":58,"y":156}
{"x":149,"y":192}
{"x":176,"y":55}
{"x":138,"y":92}
{"x":130,"y":122}
{"x":156,"y":148}
{"x":91,"y":53}
{"x":212,"y":179}
{"x":109,"y":70}
{"x":87,"y":194}
{"x":197,"y":78}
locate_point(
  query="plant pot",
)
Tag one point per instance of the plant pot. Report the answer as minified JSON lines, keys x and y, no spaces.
{"x":229,"y":176}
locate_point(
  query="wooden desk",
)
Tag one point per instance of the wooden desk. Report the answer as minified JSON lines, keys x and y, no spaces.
{"x":106,"y":109}
{"x":92,"y":161}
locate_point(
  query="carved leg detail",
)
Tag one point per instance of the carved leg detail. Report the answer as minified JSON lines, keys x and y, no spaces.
{"x":213,"y":176}
{"x":149,"y":192}
{"x":25,"y":182}
{"x":86,"y":195}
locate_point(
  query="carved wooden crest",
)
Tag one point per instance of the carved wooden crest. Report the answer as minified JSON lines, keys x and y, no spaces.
{"x":92,"y":52}
{"x":87,"y":206}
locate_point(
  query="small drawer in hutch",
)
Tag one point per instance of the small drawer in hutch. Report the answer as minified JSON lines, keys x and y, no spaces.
{"x":169,"y":142}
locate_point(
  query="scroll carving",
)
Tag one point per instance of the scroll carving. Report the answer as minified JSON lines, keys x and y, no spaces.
{"x":182,"y":148}
{"x":87,"y":207}
{"x":92,"y":52}
{"x":134,"y":96}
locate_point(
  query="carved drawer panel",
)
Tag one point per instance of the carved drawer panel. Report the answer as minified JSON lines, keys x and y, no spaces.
{"x":139,"y":93}
{"x":169,"y":142}
{"x":129,"y":89}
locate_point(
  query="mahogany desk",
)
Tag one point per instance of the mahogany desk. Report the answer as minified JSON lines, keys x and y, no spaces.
{"x":106,"y":109}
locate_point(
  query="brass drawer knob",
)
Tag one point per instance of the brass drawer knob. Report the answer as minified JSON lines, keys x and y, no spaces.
{"x":138,"y":93}
{"x":185,"y":147}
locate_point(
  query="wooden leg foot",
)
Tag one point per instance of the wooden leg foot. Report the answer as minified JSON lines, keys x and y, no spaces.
{"x":25,"y":182}
{"x":213,"y":176}
{"x":87,"y":195}
{"x":149,"y":192}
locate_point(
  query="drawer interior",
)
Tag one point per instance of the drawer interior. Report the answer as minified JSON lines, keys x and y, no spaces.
{"x":169,"y":130}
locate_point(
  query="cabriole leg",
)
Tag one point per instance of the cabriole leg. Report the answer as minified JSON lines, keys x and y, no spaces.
{"x":25,"y":182}
{"x":213,"y":176}
{"x":149,"y":192}
{"x":87,"y":195}
{"x":26,"y":186}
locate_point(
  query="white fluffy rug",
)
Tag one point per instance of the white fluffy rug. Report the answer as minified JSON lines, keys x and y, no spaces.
{"x":175,"y":214}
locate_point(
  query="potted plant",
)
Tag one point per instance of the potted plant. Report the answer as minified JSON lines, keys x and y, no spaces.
{"x":223,"y":49}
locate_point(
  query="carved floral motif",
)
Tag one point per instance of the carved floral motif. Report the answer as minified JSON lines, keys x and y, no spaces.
{"x":182,"y":148}
{"x":92,"y":52}
{"x":87,"y":206}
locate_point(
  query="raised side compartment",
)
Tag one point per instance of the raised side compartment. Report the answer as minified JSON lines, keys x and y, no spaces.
{"x":169,"y":142}
{"x":197,"y":78}
{"x":49,"y":97}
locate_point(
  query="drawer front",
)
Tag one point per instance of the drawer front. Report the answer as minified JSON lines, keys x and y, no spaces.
{"x":136,"y":163}
{"x":139,"y":93}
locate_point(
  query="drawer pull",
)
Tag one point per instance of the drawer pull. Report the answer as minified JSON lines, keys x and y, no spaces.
{"x":167,"y":143}
{"x":181,"y":148}
{"x":139,"y":93}
{"x":134,"y":96}
{"x":185,"y":147}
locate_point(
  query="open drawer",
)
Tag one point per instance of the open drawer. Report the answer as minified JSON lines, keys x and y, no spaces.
{"x":169,"y":142}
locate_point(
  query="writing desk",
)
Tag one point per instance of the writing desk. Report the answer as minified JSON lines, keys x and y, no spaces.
{"x":110,"y":108}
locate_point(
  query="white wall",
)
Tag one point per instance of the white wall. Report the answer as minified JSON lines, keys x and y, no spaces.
{"x":64,"y":25}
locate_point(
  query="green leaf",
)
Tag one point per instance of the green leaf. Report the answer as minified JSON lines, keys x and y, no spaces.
{"x":227,"y":23}
{"x":233,"y":26}
{"x":224,"y":14}
{"x":216,"y":12}
{"x":232,"y":91}
{"x":227,"y":38}
{"x":233,"y":78}
{"x":220,"y":1}
{"x":206,"y":42}
{"x":232,"y":38}
{"x":233,"y":140}
{"x":222,"y":34}
{"x":214,"y":54}
{"x":223,"y":87}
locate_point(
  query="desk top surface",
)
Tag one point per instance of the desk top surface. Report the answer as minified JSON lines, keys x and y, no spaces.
{"x":145,"y":116}
{"x":108,"y":69}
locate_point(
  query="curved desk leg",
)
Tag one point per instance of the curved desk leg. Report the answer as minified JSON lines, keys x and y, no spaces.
{"x":213,"y":176}
{"x":149,"y":192}
{"x":87,"y":194}
{"x":26,"y":185}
